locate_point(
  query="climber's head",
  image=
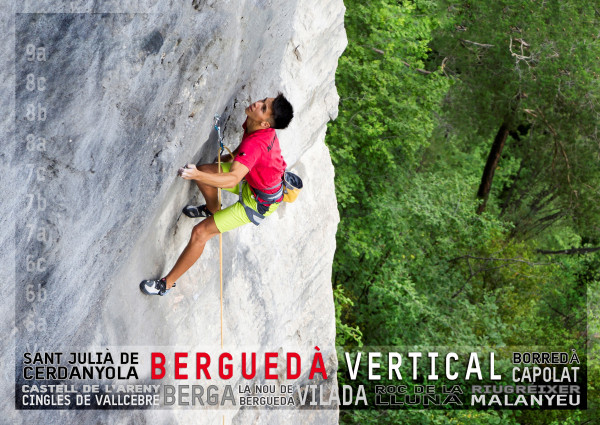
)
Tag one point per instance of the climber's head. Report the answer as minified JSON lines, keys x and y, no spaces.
{"x":282,"y":112}
{"x":271,"y":112}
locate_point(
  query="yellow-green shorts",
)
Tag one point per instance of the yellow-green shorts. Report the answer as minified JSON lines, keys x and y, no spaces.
{"x":235,"y":215}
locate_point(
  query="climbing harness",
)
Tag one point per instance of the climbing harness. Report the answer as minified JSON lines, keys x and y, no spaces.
{"x":256,"y":217}
{"x":288,"y":191}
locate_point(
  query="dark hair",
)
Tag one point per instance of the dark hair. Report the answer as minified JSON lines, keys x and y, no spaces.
{"x":283,"y":112}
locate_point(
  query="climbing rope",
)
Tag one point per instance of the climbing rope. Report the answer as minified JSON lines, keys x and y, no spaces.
{"x":221,"y":149}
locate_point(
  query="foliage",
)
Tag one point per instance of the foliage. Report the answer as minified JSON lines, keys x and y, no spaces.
{"x":415,"y":264}
{"x":533,"y":65}
{"x":345,"y":334}
{"x":385,"y":105}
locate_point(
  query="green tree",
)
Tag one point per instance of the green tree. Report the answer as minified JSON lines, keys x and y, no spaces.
{"x":385,"y":120}
{"x":528,"y":88}
{"x":418,"y":260}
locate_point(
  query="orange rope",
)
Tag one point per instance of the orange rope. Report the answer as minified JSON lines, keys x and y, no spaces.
{"x":221,"y":247}
{"x":220,"y":253}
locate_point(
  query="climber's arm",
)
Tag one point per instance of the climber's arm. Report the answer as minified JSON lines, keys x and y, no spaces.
{"x":230,"y":179}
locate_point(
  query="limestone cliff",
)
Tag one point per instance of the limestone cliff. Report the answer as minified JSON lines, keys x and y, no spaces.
{"x":130,"y":89}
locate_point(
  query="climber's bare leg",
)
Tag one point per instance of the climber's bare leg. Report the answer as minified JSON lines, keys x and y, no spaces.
{"x":209,"y":192}
{"x":201,"y":233}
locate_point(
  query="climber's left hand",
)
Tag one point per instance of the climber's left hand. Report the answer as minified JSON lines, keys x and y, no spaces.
{"x":188,"y":172}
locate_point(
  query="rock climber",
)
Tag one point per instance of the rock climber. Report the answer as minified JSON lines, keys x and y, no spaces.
{"x":257,"y":165}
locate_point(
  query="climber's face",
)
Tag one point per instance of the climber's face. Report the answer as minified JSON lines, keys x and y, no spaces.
{"x":261,"y":112}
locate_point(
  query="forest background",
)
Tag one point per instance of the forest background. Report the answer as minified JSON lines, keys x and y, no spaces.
{"x":467,"y":162}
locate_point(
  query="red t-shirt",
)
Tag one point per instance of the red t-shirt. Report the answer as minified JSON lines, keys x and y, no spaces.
{"x":260,"y":152}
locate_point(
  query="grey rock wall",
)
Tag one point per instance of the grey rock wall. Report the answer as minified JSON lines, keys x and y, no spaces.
{"x":129,"y":94}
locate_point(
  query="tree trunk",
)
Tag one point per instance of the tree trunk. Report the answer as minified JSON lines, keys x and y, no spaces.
{"x":490,"y":166}
{"x":570,"y":251}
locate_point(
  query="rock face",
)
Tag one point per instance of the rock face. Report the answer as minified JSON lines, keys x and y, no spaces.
{"x":124,"y":95}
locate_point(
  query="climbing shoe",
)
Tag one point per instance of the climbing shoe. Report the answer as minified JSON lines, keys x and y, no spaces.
{"x":196,"y":211}
{"x":155,"y":287}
